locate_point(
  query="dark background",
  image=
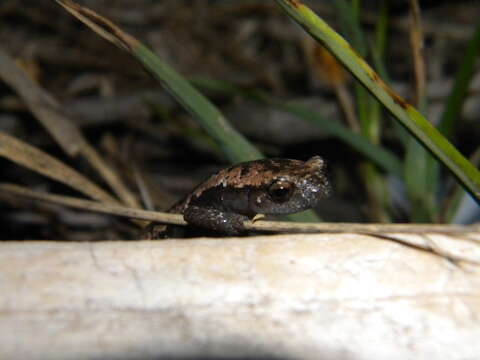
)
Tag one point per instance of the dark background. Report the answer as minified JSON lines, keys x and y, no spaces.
{"x":133,"y":122}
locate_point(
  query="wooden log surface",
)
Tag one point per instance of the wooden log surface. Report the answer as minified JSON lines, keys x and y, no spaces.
{"x":317,"y":296}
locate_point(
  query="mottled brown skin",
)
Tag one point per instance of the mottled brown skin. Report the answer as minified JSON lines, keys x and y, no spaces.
{"x":271,"y":186}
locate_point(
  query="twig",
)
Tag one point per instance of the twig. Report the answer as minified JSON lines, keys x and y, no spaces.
{"x":368,"y":229}
{"x":281,"y":226}
{"x":95,"y":206}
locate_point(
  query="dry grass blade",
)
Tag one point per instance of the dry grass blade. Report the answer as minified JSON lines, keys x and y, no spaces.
{"x":455,"y":243}
{"x":416,"y":41}
{"x":360,"y":228}
{"x":36,"y":160}
{"x":281,"y":226}
{"x":42,"y":105}
{"x":102,"y":26}
{"x":406,"y":114}
{"x":66,"y":134}
{"x":95,"y":206}
{"x":235,"y":146}
{"x":109,"y":175}
{"x":327,"y":69}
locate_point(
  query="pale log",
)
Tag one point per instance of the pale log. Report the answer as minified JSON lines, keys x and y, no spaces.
{"x":330,"y":296}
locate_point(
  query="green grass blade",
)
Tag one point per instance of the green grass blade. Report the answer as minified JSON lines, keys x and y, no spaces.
{"x":421,"y":182}
{"x":375,"y":183}
{"x":377,"y":154}
{"x":459,"y":91}
{"x":452,"y":205}
{"x":452,"y":111}
{"x":406,"y":114}
{"x":378,"y":53}
{"x":348,"y":15}
{"x":234,"y":144}
{"x":236,"y":147}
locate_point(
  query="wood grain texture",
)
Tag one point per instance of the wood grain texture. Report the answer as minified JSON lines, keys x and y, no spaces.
{"x":330,"y":296}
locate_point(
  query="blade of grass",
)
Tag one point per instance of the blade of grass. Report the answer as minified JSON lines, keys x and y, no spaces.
{"x":89,"y":205}
{"x":452,"y":111}
{"x":348,"y":15}
{"x":41,"y":104}
{"x":326,"y":69}
{"x":42,"y":163}
{"x":406,"y":114}
{"x":368,"y":111}
{"x":234,"y":145}
{"x":379,"y":155}
{"x":419,"y":177}
{"x":359,"y":228}
{"x":49,"y":113}
{"x":377,"y":52}
{"x":375,"y":182}
{"x":454,"y":201}
{"x":458,"y":95}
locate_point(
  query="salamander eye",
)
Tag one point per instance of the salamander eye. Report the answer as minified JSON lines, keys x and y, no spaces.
{"x":281,"y":190}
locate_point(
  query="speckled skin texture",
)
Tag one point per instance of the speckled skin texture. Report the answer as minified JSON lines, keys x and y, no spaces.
{"x":271,"y":186}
